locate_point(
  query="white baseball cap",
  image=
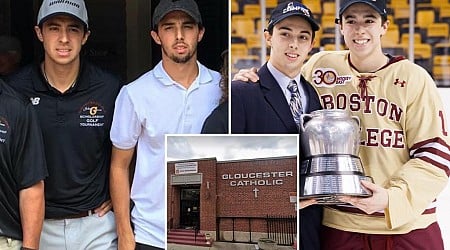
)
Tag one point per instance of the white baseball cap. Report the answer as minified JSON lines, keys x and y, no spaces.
{"x":74,"y":8}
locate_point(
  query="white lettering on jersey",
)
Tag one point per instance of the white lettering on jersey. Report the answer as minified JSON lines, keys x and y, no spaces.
{"x":328,"y":77}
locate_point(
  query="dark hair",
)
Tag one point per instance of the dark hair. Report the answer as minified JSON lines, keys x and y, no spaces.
{"x":313,"y":35}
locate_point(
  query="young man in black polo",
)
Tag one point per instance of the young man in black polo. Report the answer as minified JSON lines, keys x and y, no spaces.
{"x":74,"y":101}
{"x":22,"y":163}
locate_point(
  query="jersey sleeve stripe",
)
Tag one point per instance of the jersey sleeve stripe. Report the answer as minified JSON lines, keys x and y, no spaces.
{"x":435,"y":152}
{"x":433,"y":142}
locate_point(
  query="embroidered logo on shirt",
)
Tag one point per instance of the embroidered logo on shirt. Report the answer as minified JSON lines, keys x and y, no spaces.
{"x":327,"y":77}
{"x":401,"y":83}
{"x":92,"y":114}
{"x":35,"y":100}
{"x":4,"y":128}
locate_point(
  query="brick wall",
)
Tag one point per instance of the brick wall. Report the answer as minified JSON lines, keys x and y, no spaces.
{"x":243,"y":188}
{"x":272,"y":198}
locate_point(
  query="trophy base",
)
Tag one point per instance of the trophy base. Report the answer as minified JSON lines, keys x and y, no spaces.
{"x":325,"y":200}
{"x":326,"y":189}
{"x":326,"y":177}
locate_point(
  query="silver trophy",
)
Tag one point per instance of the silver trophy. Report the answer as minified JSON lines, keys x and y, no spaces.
{"x":330,"y":139}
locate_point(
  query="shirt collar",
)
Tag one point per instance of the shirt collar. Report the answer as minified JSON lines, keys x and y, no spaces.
{"x":281,"y":78}
{"x":82,"y":82}
{"x":204,"y":76}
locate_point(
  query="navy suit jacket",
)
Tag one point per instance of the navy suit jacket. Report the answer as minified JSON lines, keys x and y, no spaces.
{"x":261,"y":108}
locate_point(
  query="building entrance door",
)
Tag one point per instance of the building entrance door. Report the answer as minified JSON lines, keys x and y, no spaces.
{"x":190,"y":207}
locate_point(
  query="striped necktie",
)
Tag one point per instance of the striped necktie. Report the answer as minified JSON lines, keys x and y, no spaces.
{"x":295,"y":103}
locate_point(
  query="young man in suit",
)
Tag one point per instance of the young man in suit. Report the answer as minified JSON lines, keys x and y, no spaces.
{"x":266,"y":107}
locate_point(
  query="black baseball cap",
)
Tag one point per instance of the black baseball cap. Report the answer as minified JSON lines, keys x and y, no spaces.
{"x":165,"y":6}
{"x":293,"y":8}
{"x":378,"y":5}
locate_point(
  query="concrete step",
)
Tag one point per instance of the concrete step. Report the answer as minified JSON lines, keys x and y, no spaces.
{"x":184,"y":232}
{"x":187,"y":237}
{"x":189,"y":242}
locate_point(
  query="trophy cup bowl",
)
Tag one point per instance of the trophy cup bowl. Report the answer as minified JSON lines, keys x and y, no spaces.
{"x":330,"y":139}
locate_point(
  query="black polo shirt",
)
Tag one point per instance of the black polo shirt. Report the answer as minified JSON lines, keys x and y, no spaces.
{"x":22,"y":159}
{"x":75,"y":127}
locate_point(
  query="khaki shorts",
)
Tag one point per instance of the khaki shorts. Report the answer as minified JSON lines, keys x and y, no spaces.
{"x":87,"y":233}
{"x":9,"y":244}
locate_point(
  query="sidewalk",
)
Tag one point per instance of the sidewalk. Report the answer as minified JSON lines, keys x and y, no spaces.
{"x":221,"y":245}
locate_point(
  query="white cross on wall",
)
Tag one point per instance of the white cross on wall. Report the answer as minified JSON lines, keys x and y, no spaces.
{"x":256,"y":192}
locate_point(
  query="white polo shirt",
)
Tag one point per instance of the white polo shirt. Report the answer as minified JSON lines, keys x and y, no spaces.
{"x":147,"y":109}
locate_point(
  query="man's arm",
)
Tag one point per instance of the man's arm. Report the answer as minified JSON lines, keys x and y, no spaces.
{"x":120,"y":195}
{"x":32,"y":209}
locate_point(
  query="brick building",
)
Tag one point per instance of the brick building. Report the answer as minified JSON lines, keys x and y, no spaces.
{"x":232,"y":200}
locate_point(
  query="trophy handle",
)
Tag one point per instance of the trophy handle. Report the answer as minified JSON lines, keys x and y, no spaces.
{"x":302,"y":120}
{"x":357,"y":120}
